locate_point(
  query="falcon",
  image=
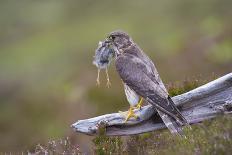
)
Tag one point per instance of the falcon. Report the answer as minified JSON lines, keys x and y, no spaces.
{"x":141,"y":79}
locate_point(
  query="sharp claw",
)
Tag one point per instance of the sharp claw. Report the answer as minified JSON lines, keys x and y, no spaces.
{"x":130,"y":113}
{"x":138,"y":107}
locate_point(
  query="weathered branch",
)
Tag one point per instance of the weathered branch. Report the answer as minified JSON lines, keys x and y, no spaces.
{"x":202,"y":103}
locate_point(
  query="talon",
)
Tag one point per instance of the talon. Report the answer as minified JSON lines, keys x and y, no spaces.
{"x":138,"y":107}
{"x":108,"y":84}
{"x":130,"y":114}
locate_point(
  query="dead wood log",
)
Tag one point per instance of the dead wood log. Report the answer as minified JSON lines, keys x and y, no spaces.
{"x":202,"y":103}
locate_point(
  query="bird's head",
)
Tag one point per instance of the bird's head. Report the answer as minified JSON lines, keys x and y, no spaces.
{"x":119,"y":39}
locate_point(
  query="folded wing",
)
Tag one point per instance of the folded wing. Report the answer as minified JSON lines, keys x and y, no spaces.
{"x":140,"y":77}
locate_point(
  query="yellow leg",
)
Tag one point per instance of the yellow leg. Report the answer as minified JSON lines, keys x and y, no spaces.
{"x":128,"y":114}
{"x":139,"y":105}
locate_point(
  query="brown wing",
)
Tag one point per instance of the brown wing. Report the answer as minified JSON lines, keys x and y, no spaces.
{"x":154,"y":75}
{"x":139,"y":77}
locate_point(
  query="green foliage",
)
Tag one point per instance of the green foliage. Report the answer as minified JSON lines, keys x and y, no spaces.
{"x":210,"y":137}
{"x":105,"y":145}
{"x":187,"y":85}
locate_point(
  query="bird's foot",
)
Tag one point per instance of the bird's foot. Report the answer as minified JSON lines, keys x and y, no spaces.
{"x":139,"y":106}
{"x":108,"y":84}
{"x":128,"y":114}
{"x":97,"y":82}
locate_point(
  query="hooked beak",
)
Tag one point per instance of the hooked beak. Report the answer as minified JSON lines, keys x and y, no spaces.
{"x":108,"y":40}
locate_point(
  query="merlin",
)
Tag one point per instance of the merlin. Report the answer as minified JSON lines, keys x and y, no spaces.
{"x":140,"y":78}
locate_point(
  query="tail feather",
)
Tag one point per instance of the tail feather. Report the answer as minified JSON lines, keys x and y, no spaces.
{"x":180,"y":117}
{"x":171,"y":123}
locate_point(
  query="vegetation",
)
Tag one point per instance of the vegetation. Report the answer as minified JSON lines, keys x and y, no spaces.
{"x":62,"y":146}
{"x":47,"y":80}
{"x":210,"y":137}
{"x":207,"y":138}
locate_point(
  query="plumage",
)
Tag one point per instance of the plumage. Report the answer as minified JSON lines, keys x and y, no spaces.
{"x":139,"y":73}
{"x":131,"y":95}
{"x":134,"y":72}
{"x":141,"y":79}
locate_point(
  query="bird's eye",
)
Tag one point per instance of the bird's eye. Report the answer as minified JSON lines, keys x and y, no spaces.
{"x":111,"y":37}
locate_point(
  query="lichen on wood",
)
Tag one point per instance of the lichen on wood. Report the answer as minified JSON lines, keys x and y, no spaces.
{"x":202,"y":103}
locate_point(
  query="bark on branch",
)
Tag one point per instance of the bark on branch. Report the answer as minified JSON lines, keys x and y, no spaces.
{"x":204,"y":102}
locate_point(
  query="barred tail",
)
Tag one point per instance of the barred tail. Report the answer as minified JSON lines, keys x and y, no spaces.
{"x":171,"y":123}
{"x":180,"y":117}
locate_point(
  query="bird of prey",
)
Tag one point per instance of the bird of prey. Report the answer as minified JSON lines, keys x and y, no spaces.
{"x":141,"y":80}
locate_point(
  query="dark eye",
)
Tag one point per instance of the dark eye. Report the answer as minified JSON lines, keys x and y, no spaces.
{"x":111,"y":37}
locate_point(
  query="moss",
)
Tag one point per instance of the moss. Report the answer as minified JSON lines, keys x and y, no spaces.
{"x":180,"y":88}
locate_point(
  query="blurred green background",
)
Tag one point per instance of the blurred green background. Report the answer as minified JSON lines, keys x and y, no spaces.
{"x":47,"y":80}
